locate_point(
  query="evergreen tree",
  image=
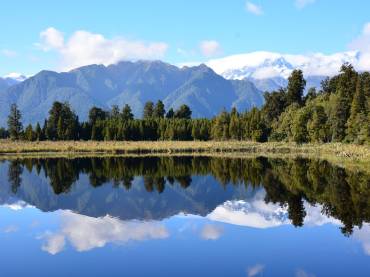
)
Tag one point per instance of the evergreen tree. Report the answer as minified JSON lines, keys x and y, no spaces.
{"x":317,"y":126}
{"x":300,"y":132}
{"x":183,"y":112}
{"x":29,"y":134}
{"x":115,"y":114}
{"x":159,"y":110}
{"x":52,"y":122}
{"x":127,"y":113}
{"x":296,"y":85}
{"x":148,"y":110}
{"x":170,"y":113}
{"x":95,"y":114}
{"x":234,"y":126}
{"x":311,"y":94}
{"x":44,"y":129}
{"x":275,"y":104}
{"x":3,"y":133}
{"x":338,"y":117}
{"x":357,"y":113}
{"x":38,"y":132}
{"x":15,"y":126}
{"x":220,"y":127}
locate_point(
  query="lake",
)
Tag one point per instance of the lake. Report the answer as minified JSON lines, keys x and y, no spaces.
{"x":183,"y":216}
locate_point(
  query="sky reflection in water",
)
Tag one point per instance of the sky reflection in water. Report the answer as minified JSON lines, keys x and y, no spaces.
{"x":195,"y":223}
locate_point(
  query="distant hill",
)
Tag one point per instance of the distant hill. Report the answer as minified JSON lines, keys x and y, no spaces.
{"x":133,"y":83}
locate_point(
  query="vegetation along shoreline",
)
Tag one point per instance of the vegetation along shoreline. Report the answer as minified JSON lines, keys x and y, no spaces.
{"x":334,"y":121}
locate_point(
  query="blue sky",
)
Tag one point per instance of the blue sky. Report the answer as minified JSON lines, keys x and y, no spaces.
{"x":40,"y":34}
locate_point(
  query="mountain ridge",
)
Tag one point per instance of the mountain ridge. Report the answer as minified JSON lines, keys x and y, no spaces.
{"x":133,"y":83}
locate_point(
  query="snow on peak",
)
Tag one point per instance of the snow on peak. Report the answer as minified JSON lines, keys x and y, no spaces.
{"x":263,"y":65}
{"x":15,"y":76}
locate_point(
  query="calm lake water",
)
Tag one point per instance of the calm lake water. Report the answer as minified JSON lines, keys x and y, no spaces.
{"x":183,"y":216}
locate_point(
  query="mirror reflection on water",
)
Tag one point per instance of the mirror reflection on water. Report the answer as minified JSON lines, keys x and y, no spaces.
{"x":180,"y":216}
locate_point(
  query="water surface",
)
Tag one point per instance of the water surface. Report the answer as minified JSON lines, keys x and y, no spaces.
{"x":183,"y":216}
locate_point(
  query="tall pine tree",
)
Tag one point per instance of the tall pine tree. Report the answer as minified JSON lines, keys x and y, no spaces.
{"x":15,"y":126}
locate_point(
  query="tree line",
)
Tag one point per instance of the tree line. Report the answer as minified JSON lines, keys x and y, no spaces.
{"x":338,"y":112}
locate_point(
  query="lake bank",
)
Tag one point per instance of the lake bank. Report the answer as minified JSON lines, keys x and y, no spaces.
{"x":331,"y":151}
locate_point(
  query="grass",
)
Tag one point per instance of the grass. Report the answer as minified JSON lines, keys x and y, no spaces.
{"x":346,"y":155}
{"x":339,"y":150}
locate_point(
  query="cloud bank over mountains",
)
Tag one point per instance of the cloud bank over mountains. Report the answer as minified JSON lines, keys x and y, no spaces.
{"x":263,"y":65}
{"x":85,"y":48}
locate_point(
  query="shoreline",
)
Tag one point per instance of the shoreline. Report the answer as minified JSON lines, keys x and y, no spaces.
{"x":168,"y":147}
{"x":345,"y":155}
{"x":340,"y":150}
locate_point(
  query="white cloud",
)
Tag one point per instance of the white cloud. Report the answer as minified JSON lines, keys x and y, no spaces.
{"x":54,"y":243}
{"x":263,"y":64}
{"x":210,"y":48}
{"x":255,"y":270}
{"x":211,"y":232}
{"x":85,"y":233}
{"x":51,"y":38}
{"x":300,"y":4}
{"x":20,"y":78}
{"x":18,"y":205}
{"x":362,"y":44}
{"x":253,"y":8}
{"x":254,"y":213}
{"x":303,"y":273}
{"x":8,"y":53}
{"x":257,"y":213}
{"x":363,"y":235}
{"x":10,"y":229}
{"x":84,"y":48}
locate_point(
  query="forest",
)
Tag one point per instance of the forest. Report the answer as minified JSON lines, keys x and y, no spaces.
{"x":337,"y":112}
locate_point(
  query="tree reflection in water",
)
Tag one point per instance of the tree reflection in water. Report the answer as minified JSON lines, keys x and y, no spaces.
{"x":344,"y":194}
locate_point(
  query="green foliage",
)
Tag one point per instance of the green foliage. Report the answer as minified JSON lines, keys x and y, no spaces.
{"x":3,"y":133}
{"x":317,"y":126}
{"x":127,"y":113}
{"x":148,"y":110}
{"x":170,"y":113}
{"x":339,"y":112}
{"x":299,"y":130}
{"x":15,"y":126}
{"x":220,"y":126}
{"x":282,"y":128}
{"x":62,"y":123}
{"x":29,"y":134}
{"x":96,"y":114}
{"x":296,"y":85}
{"x":183,"y":112}
{"x":159,"y":110}
{"x":275,"y":104}
{"x":39,"y":135}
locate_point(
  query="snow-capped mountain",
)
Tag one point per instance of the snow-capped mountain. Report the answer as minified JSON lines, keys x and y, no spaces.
{"x":14,"y":78}
{"x":269,"y":71}
{"x":262,"y":65}
{"x":10,"y":80}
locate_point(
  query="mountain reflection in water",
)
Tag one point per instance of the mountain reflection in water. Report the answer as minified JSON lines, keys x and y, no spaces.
{"x":234,"y":217}
{"x":258,"y":192}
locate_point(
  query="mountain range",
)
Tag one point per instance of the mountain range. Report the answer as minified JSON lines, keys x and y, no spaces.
{"x":133,"y":83}
{"x":234,"y":81}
